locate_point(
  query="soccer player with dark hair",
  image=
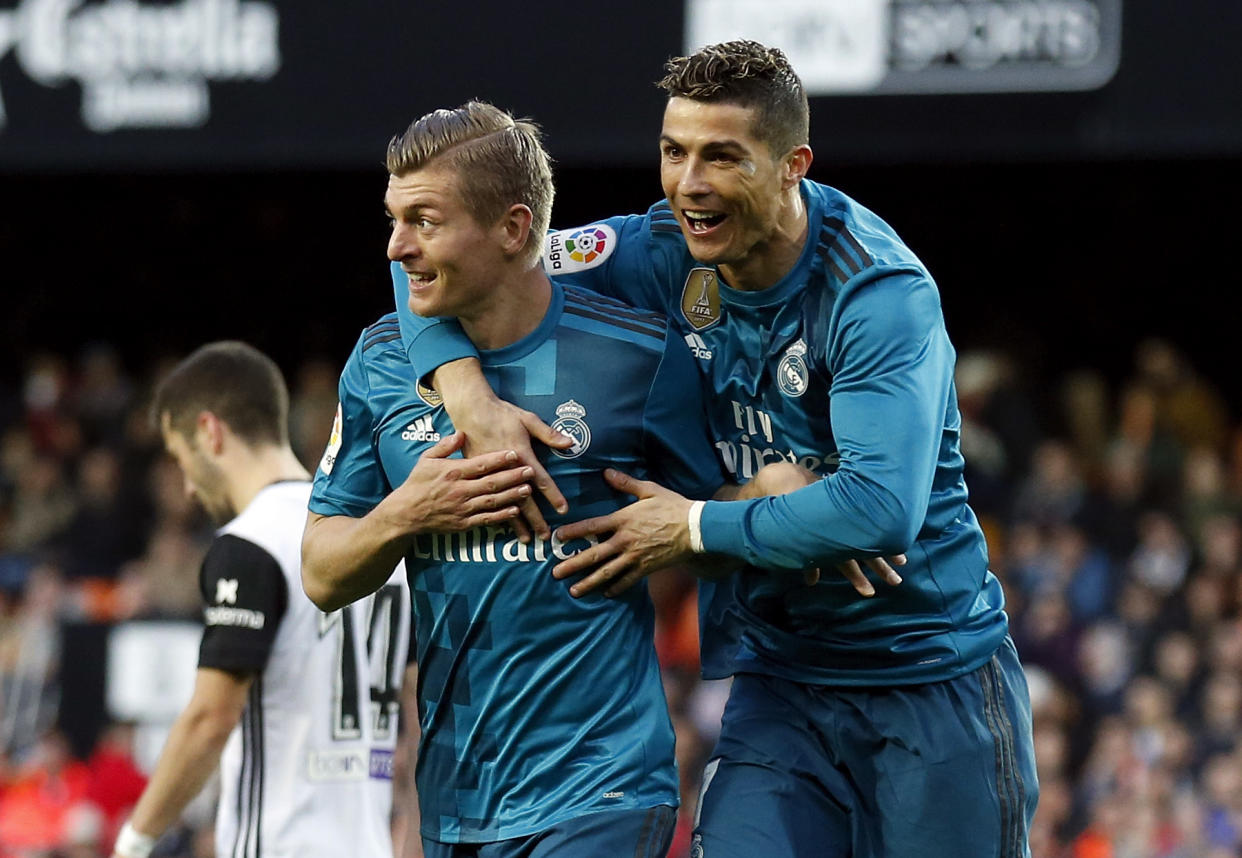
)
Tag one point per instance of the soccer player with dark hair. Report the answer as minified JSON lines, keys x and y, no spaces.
{"x":298,"y":707}
{"x":892,"y":725}
{"x":544,"y":726}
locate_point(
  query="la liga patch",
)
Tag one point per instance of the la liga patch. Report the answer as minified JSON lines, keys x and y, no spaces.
{"x":571,"y":250}
{"x":334,"y":444}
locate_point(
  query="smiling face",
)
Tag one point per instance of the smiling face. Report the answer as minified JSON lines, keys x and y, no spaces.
{"x":723,"y":182}
{"x":449,"y":258}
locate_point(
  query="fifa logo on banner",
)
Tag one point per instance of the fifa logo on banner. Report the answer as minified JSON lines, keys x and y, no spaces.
{"x":142,"y":65}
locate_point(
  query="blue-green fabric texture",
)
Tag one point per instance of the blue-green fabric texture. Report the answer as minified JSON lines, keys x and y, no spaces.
{"x":536,"y":707}
{"x":845,"y":367}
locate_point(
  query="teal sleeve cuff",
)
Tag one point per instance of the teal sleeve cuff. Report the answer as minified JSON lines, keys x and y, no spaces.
{"x":724,"y":527}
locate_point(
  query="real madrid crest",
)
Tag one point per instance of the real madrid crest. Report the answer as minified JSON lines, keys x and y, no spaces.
{"x":792,"y":374}
{"x":569,"y":422}
{"x":700,"y":298}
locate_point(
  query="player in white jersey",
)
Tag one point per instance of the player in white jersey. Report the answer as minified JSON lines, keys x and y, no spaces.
{"x":299,"y":707}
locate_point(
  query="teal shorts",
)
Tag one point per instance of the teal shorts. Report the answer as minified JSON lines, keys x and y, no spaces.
{"x":942,"y":770}
{"x":642,"y":833}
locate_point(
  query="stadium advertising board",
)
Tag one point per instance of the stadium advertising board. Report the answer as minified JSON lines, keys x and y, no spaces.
{"x":254,"y":84}
{"x":926,"y":46}
{"x":141,"y":65}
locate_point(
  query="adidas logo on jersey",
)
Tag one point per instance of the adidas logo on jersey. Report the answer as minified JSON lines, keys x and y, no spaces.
{"x":422,"y":429}
{"x":698,"y":347}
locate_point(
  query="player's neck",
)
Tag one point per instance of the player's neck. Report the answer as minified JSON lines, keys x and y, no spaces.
{"x":514,"y":309}
{"x":775,"y":256}
{"x":252,"y":469}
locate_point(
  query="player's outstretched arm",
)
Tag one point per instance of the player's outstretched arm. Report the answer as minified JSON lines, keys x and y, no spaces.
{"x":649,"y":534}
{"x":190,"y":755}
{"x":654,"y":532}
{"x":345,"y":558}
{"x":781,"y":478}
{"x":491,"y":424}
{"x":892,"y":374}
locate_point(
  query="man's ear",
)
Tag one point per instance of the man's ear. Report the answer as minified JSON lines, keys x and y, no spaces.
{"x":514,"y":227}
{"x":796,"y":165}
{"x":209,"y":432}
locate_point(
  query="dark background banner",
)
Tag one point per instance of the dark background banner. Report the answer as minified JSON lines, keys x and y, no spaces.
{"x":1067,"y":168}
{"x":226,"y":84}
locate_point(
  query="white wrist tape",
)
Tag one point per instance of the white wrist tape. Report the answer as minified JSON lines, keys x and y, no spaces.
{"x":696,"y":527}
{"x":130,"y":843}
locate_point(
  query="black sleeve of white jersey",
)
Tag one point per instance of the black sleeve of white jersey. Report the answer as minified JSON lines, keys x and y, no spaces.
{"x":246,"y":597}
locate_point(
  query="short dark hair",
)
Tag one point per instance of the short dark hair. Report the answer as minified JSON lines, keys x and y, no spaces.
{"x":233,"y":380}
{"x":498,"y":161}
{"x":751,"y":75}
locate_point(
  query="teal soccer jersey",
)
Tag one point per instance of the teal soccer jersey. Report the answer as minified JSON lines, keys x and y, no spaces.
{"x":843,"y":366}
{"x":535,"y":707}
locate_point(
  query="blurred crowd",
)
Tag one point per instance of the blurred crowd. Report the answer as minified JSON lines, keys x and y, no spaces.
{"x":1113,"y":512}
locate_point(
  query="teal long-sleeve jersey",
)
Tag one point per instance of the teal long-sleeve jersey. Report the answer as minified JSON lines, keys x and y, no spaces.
{"x":845,"y":367}
{"x":535,"y":707}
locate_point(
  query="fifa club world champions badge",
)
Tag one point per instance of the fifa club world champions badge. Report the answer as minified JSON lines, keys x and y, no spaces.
{"x":569,"y":422}
{"x":700,"y":298}
{"x":792,"y":375}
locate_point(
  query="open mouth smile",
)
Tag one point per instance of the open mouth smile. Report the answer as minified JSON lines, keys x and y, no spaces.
{"x":420,"y":279}
{"x":702,"y":222}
